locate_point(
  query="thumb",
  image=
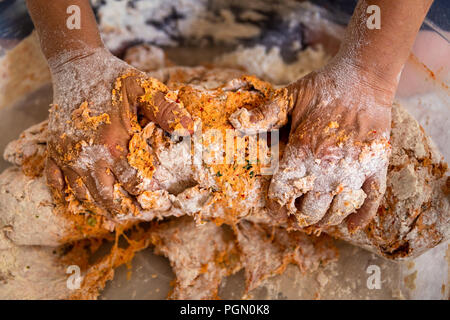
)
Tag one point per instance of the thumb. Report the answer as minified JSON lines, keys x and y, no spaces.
{"x":271,"y":115}
{"x":155,"y":105}
{"x":274,"y":114}
{"x":168,"y":114}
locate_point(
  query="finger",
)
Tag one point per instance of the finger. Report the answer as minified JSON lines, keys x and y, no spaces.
{"x":312,"y":207}
{"x":345,"y":203}
{"x":100,"y":183}
{"x":374,"y":187}
{"x":291,"y":180}
{"x":271,"y":115}
{"x":168,"y":114}
{"x":278,"y":213}
{"x":55,"y":178}
{"x":76,"y":184}
{"x":131,"y":91}
{"x":128,"y":177}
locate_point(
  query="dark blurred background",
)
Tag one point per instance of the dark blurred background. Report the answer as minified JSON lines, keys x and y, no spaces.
{"x":15,"y":23}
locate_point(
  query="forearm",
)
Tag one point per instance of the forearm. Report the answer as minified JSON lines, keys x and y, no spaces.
{"x":383,"y":52}
{"x":50,"y":20}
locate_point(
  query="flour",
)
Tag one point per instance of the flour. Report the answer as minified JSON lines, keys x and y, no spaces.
{"x":269,"y":65}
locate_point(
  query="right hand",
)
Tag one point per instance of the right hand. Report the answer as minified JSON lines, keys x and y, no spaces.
{"x":335,"y":163}
{"x":89,"y":134}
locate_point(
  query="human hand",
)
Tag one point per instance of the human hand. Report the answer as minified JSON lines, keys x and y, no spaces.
{"x":335,"y":163}
{"x":91,"y":121}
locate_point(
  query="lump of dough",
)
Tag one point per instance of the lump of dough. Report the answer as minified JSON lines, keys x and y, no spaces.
{"x":201,"y":256}
{"x":267,"y":251}
{"x":409,"y":221}
{"x":414,"y":214}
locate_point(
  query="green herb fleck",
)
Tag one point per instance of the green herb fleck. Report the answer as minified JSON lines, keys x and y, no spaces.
{"x":92,"y":221}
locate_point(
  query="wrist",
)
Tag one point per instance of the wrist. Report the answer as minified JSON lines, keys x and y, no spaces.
{"x":61,"y":60}
{"x":367,"y":79}
{"x":57,"y":38}
{"x":85,"y":76}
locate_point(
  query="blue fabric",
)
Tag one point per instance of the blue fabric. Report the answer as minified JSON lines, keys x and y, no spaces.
{"x":15,"y":23}
{"x":439,"y":13}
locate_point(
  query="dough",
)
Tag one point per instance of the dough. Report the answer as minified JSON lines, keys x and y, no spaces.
{"x":417,"y":198}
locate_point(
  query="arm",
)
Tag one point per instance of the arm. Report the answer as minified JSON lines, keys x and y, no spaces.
{"x":50,"y":20}
{"x":383,"y":52}
{"x":89,"y":133}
